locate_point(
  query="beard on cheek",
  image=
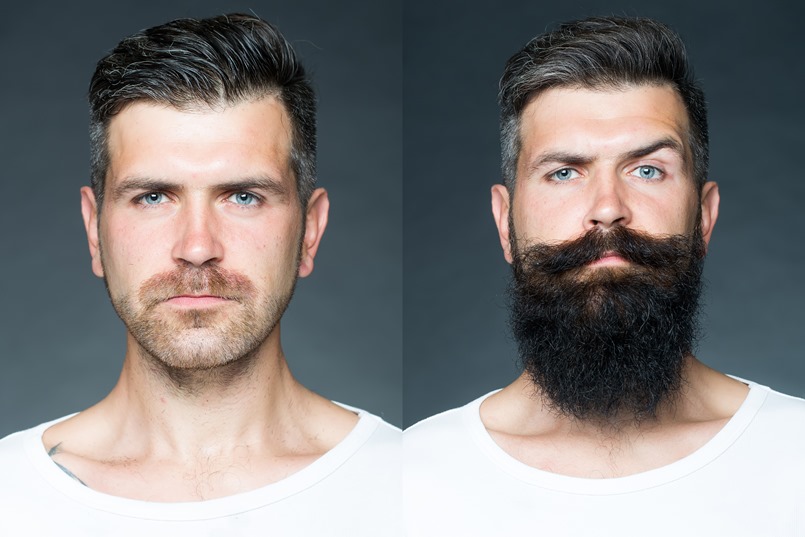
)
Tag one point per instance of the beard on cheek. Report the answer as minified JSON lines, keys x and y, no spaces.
{"x":606,"y":344}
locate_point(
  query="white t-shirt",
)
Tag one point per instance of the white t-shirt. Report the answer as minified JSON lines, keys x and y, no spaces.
{"x":748,"y":480}
{"x":352,"y":490}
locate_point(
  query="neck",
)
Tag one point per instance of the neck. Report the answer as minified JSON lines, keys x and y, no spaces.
{"x":232,"y":404}
{"x":523,"y":423}
{"x":162,"y":436}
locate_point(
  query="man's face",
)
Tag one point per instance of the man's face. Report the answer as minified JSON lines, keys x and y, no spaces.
{"x":607,"y":257}
{"x":601,"y":158}
{"x":200,"y":238}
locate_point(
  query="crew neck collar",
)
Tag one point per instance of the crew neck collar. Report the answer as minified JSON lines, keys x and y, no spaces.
{"x":227,"y":506}
{"x":706,"y":454}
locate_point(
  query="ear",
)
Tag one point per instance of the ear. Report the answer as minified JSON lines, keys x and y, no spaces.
{"x":710,"y":200}
{"x":500,"y":211}
{"x":315,"y":221}
{"x":89,"y":211}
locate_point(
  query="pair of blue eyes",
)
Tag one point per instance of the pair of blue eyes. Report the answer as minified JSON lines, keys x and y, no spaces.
{"x":239,"y":198}
{"x":644,"y":172}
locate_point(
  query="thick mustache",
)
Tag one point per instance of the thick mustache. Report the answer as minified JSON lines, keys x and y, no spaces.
{"x":637,"y":247}
{"x":209,"y":281}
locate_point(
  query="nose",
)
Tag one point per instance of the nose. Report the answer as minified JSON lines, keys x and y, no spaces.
{"x":608,"y":205}
{"x":198,"y":240}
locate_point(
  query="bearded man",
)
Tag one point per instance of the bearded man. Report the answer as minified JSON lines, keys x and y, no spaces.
{"x":202,"y":214}
{"x":614,"y":427}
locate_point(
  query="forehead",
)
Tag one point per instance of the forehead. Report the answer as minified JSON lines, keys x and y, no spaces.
{"x":153,"y":140}
{"x":597,"y":121}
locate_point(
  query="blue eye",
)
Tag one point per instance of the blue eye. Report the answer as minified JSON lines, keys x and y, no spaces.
{"x":647,"y":172}
{"x":152,"y":198}
{"x":244,"y":198}
{"x":565,"y":174}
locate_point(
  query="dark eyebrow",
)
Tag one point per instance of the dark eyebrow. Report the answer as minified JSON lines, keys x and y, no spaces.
{"x":146,"y":184}
{"x":559,"y":157}
{"x":664,"y":143}
{"x":131,"y":184}
{"x":575,"y":159}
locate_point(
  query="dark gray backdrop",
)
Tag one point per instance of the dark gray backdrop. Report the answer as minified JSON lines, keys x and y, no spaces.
{"x":61,"y":345}
{"x":749,"y":56}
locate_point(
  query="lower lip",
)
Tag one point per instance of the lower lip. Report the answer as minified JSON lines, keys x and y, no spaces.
{"x":609,"y":260}
{"x":196,"y":301}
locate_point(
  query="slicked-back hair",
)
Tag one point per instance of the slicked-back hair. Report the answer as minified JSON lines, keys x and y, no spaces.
{"x":600,"y":53}
{"x":215,"y":62}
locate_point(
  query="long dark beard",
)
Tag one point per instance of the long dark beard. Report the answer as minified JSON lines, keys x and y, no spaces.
{"x":606,"y":344}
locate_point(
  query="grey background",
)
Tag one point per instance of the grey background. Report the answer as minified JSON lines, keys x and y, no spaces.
{"x":61,"y":345}
{"x":749,"y":57}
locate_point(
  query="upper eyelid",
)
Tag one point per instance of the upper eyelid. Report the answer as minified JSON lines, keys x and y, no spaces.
{"x":662,"y":159}
{"x":230,"y":193}
{"x":645,"y":165}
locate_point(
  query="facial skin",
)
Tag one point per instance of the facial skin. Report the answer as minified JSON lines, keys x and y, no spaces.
{"x":200,"y":235}
{"x":602,"y":158}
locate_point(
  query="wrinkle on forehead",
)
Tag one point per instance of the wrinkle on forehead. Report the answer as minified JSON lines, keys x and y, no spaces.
{"x":252,"y":138}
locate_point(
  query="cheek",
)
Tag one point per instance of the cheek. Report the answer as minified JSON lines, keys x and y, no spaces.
{"x":545,"y":218}
{"x":672,"y":218}
{"x":270,"y":258}
{"x":666,"y":221}
{"x":129,"y":257}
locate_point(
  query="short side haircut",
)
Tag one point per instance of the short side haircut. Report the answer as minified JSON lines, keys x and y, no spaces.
{"x":600,"y":53}
{"x":215,"y":62}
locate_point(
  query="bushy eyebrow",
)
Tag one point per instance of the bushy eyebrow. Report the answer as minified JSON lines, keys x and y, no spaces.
{"x":577,"y":159}
{"x":146,"y":184}
{"x":664,"y":143}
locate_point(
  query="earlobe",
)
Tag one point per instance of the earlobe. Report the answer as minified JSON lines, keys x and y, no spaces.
{"x":710,"y":201}
{"x":318,"y":208}
{"x":500,"y":212}
{"x":89,"y":212}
